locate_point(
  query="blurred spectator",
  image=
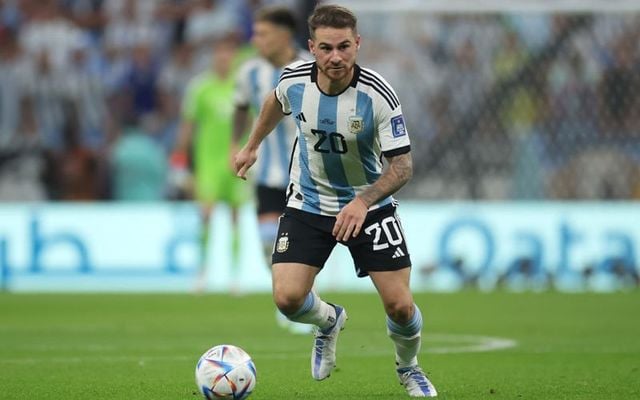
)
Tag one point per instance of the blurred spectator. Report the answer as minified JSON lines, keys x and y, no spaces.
{"x":10,"y":14}
{"x":619,"y":87}
{"x":22,"y":160}
{"x":138,"y":165}
{"x":140,"y":80}
{"x":47,"y":31}
{"x":173,"y":80}
{"x":131,"y":24}
{"x":84,"y":86}
{"x":572,"y":100}
{"x":80,"y":172}
{"x":210,"y":20}
{"x":176,"y":73}
{"x":533,"y":29}
{"x":89,"y":15}
{"x":465,"y":80}
{"x":174,"y":13}
{"x":597,"y":173}
{"x":16,"y":70}
{"x":49,"y":91}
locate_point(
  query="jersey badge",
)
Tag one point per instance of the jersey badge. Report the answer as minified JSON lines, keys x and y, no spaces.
{"x":397,"y":126}
{"x":356,"y":125}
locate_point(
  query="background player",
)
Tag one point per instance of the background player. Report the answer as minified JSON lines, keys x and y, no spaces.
{"x":207,"y":111}
{"x":273,"y":38}
{"x":347,"y":117}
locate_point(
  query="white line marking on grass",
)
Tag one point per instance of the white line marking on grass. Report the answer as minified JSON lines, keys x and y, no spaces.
{"x":434,"y":343}
{"x":466,"y":343}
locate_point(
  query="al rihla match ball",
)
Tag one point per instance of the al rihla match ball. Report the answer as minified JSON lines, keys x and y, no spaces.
{"x":225,"y":372}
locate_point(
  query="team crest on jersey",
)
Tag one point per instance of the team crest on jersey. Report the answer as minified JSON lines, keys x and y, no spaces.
{"x":283,"y":244}
{"x":397,"y":126}
{"x":356,"y":125}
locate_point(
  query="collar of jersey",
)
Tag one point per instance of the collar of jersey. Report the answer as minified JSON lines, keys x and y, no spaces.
{"x":353,"y":83}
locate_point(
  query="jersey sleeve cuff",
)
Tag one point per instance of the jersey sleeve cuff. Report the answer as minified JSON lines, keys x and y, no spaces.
{"x":281,"y":106}
{"x":397,"y":152}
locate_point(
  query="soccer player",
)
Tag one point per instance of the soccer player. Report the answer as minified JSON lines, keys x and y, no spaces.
{"x":273,"y":31}
{"x":207,"y":111}
{"x":348,"y":117}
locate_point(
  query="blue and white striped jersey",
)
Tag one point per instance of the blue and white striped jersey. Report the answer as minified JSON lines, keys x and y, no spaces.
{"x":256,"y":79}
{"x":341,"y":138}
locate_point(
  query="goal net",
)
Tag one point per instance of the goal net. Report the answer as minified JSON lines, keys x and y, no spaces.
{"x":513,"y":100}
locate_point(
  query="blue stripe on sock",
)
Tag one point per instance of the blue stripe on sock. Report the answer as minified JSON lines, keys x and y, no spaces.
{"x":308,"y":304}
{"x":411,"y":328}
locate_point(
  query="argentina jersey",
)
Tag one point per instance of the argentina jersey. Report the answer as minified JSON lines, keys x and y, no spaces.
{"x":341,"y":138}
{"x":256,"y":79}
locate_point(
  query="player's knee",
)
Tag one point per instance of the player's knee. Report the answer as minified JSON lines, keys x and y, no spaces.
{"x":288,"y":302}
{"x":399,"y":311}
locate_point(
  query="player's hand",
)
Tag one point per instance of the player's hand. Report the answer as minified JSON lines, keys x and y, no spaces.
{"x":350,"y":219}
{"x":232,"y":156}
{"x":243,"y":161}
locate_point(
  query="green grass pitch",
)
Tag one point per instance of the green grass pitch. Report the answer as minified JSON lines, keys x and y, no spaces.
{"x":101,"y":346}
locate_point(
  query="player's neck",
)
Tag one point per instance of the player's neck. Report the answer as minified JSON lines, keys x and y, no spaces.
{"x":283,"y":58}
{"x":332,"y":87}
{"x":222,"y":74}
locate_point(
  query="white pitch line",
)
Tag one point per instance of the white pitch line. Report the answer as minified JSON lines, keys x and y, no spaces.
{"x":456,"y":343}
{"x":475,"y":343}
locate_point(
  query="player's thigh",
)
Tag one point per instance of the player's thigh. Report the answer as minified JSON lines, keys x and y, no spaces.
{"x":292,"y":281}
{"x":303,"y":239}
{"x":302,"y":247}
{"x":393,"y":288}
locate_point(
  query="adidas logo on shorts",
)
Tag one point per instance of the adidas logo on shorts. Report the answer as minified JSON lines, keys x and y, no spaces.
{"x":398,"y":253}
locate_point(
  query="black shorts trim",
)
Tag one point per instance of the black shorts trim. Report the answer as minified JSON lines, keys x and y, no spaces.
{"x":270,"y":200}
{"x":307,"y":238}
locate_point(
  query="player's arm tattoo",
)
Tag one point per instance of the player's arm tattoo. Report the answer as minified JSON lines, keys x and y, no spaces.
{"x":397,"y":173}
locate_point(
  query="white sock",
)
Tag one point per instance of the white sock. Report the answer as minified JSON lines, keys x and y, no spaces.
{"x":406,"y":338}
{"x":315,"y":311}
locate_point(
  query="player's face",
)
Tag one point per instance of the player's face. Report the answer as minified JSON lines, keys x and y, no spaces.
{"x":268,"y":38}
{"x":224,"y":53}
{"x":335,"y":51}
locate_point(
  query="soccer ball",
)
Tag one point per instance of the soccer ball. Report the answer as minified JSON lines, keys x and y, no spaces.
{"x":225,"y":372}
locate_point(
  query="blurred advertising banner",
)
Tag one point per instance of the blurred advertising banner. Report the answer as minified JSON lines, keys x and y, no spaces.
{"x":154,"y":247}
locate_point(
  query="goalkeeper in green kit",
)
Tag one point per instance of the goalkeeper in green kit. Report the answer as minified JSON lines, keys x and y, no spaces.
{"x":206,"y":126}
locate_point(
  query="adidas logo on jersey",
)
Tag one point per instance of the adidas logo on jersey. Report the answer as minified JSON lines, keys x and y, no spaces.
{"x":300,"y":117}
{"x":398,"y":253}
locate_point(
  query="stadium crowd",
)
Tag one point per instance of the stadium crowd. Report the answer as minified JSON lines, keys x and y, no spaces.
{"x":500,"y":106}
